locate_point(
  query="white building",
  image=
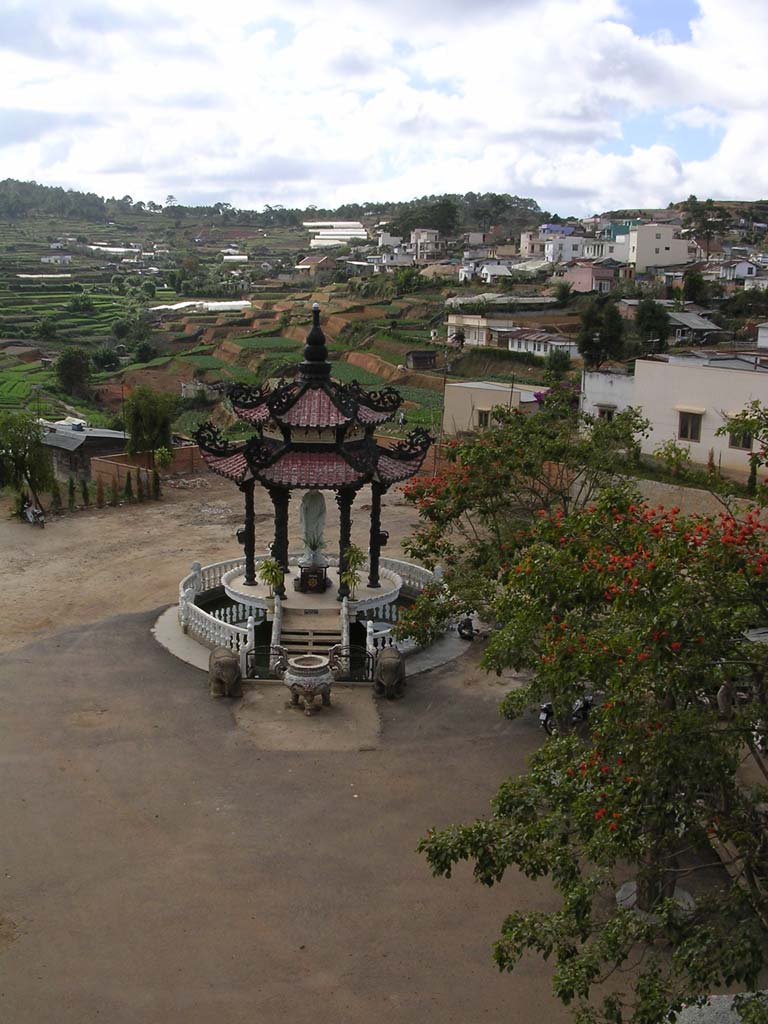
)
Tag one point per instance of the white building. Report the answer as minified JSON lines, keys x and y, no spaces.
{"x":563,"y":248}
{"x":60,"y":259}
{"x":476,"y":327}
{"x":686,"y":398}
{"x":538,"y":343}
{"x":656,"y":245}
{"x":389,"y":241}
{"x":598,"y":248}
{"x":425,"y":244}
{"x":388,"y":262}
{"x":468,"y":404}
{"x":762,"y":335}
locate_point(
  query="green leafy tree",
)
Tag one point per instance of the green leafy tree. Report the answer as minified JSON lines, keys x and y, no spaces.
{"x":558,"y":363}
{"x":705,"y":220}
{"x":45,"y":329}
{"x":25,"y":462}
{"x":163,"y":458}
{"x":601,"y":333}
{"x":144,"y":352}
{"x":85,"y":493}
{"x":105,"y":358}
{"x":73,"y":370}
{"x":473,"y":514}
{"x":695,"y":288}
{"x":563,"y":292}
{"x":128,"y":488}
{"x":121,"y":329}
{"x":82,"y":303}
{"x":648,"y":608}
{"x":148,"y":417}
{"x":653,"y":324}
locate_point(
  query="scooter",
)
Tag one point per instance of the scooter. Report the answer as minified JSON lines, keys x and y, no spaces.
{"x":34,"y":515}
{"x":579,"y":713}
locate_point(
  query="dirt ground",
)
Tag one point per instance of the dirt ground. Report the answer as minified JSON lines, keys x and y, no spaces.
{"x":165,"y":858}
{"x":91,"y":564}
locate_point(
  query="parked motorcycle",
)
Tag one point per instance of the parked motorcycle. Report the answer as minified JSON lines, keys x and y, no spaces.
{"x":34,"y":515}
{"x":579,"y":713}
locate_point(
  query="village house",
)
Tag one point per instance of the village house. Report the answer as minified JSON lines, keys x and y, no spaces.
{"x":656,"y":245}
{"x":686,"y":398}
{"x":389,"y":262}
{"x":476,"y":328}
{"x":73,"y":445}
{"x":316,"y":267}
{"x":532,"y":244}
{"x":468,"y":404}
{"x":594,"y":275}
{"x":564,"y":248}
{"x":421,"y":359}
{"x":61,"y":259}
{"x":691,"y":327}
{"x":425,"y":244}
{"x":529,"y":339}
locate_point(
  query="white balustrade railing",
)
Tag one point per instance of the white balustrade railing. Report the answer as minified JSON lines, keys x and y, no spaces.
{"x":212,"y":632}
{"x":415,"y":577}
{"x":277,"y":623}
{"x":220,"y":628}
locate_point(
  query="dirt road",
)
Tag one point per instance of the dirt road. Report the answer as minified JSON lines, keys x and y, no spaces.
{"x":91,"y":564}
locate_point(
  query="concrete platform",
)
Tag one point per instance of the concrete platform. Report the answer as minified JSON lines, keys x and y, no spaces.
{"x":327,"y":601}
{"x":169,"y":635}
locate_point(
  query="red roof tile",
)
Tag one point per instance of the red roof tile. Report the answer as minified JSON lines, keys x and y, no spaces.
{"x":392,"y":471}
{"x":314,"y":409}
{"x":311,"y":469}
{"x":253,"y":414}
{"x":367,"y":415}
{"x":234,"y":466}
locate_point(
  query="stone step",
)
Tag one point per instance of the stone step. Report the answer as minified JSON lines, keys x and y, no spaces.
{"x":306,"y":641}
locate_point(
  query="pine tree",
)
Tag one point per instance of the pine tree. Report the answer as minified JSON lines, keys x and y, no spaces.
{"x":85,"y":494}
{"x":99,"y":493}
{"x":71,"y":494}
{"x":128,"y":491}
{"x":55,"y":496}
{"x":155,"y":485}
{"x":139,"y":486}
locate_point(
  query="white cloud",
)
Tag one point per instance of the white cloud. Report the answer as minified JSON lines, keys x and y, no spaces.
{"x":311,"y":102}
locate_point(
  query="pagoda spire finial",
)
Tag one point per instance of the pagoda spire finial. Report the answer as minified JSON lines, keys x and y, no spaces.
{"x":315,"y":365}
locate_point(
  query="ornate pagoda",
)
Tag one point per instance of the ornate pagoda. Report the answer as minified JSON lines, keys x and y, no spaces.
{"x":316,"y":434}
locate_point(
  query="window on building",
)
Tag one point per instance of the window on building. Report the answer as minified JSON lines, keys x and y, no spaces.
{"x":666,"y":248}
{"x":605,"y":413}
{"x":741,"y":441}
{"x":658,"y":234}
{"x":656,"y":251}
{"x":483,"y":418}
{"x":689,"y":428}
{"x":611,"y":248}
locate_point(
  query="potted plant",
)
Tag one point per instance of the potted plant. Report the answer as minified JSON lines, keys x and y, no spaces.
{"x":270,"y":572}
{"x":354,"y":560}
{"x":314,"y":543}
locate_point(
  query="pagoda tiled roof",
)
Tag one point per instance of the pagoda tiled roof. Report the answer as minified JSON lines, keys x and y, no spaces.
{"x":312,"y":469}
{"x":315,"y":408}
{"x":233,"y":466}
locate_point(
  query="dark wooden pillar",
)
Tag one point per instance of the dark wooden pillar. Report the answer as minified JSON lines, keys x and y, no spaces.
{"x":344,"y":500}
{"x":249,"y":541}
{"x":374,"y":541}
{"x":280,"y":497}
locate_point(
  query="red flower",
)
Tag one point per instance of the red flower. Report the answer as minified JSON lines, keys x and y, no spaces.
{"x":600,"y":814}
{"x":675,"y":645}
{"x":612,"y":826}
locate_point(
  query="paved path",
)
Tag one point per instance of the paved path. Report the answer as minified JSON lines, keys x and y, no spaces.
{"x":159,"y":865}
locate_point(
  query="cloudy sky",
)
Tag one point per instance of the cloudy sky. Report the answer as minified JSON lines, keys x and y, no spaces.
{"x":583,"y":104}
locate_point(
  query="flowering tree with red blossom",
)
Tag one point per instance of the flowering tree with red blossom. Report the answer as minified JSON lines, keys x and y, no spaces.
{"x":475,"y":513}
{"x":648,"y":609}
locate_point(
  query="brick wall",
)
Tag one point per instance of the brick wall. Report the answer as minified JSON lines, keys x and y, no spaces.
{"x":187,"y":460}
